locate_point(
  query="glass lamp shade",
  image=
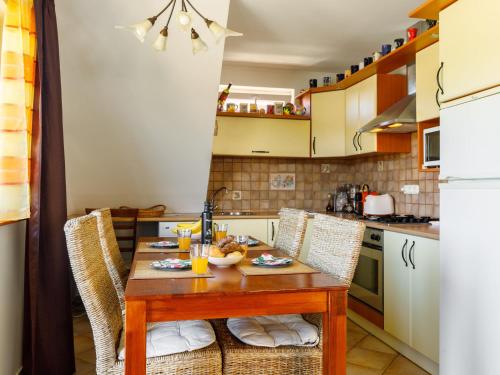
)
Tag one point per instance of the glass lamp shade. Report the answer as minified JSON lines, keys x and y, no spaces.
{"x":160,"y":43}
{"x":220,"y":32}
{"x":184,"y":20}
{"x":140,"y":29}
{"x":198,"y":44}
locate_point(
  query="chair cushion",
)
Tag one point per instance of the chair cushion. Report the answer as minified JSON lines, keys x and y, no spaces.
{"x":174,"y":337}
{"x":275,"y":330}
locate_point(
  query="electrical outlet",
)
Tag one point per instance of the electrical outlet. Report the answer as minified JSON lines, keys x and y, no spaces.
{"x":236,"y":195}
{"x":325,"y":168}
{"x":380,"y":166}
{"x":410,"y":189}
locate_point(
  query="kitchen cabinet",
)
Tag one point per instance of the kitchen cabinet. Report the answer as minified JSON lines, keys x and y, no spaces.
{"x":427,"y":64}
{"x":364,"y":101}
{"x":245,"y":136}
{"x":469,"y":54}
{"x":411,"y":291}
{"x":328,"y":124}
{"x":272,"y":230}
{"x":256,"y":228}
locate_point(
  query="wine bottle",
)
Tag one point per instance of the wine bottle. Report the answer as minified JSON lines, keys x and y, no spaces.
{"x":206,"y":223}
{"x":222,"y":98}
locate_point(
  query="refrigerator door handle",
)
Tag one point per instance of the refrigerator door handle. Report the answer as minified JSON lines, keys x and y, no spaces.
{"x":412,"y":250}
{"x":403,"y":252}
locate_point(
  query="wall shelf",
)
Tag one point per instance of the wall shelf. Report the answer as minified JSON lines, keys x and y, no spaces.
{"x":402,"y":56}
{"x":430,"y":9}
{"x":265,"y":115}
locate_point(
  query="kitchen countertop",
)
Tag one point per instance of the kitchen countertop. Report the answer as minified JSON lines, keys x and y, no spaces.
{"x":419,"y":230}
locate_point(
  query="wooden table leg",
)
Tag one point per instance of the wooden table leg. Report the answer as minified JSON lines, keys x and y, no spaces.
{"x":335,"y":334}
{"x":135,"y":338}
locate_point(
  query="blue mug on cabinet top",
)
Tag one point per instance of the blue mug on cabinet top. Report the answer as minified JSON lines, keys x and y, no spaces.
{"x":386,"y":48}
{"x":354,"y":68}
{"x":340,"y":77}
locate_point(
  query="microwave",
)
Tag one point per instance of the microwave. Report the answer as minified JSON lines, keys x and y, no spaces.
{"x":431,"y":146}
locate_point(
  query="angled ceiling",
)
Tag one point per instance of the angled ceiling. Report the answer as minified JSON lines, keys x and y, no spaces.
{"x":315,"y":35}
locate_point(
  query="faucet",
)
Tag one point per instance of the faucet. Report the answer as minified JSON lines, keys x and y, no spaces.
{"x":214,"y":194}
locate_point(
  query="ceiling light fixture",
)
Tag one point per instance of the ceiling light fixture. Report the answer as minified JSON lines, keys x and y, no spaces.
{"x":184,"y":19}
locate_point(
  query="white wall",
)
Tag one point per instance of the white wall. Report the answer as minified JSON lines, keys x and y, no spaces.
{"x":138,"y":124}
{"x":270,"y":77}
{"x":11,"y":294}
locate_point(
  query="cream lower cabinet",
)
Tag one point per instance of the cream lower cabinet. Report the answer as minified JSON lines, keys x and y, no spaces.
{"x":470,"y":53}
{"x":244,"y":136}
{"x":361,"y":108}
{"x":328,"y":124}
{"x":427,"y":64}
{"x":411,"y":291}
{"x":256,"y":228}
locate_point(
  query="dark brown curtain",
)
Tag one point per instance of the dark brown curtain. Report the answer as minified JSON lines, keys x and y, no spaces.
{"x":48,"y":330}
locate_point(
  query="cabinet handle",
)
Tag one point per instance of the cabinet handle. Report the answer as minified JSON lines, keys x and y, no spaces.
{"x":437,"y":99}
{"x":403,"y":252}
{"x":354,"y":141}
{"x":272,"y":231}
{"x":359,"y":141}
{"x":412,"y":250}
{"x":260,"y":152}
{"x":314,"y":145}
{"x":437,"y":78}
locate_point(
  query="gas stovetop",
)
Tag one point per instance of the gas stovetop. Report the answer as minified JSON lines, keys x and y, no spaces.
{"x":401,"y":219}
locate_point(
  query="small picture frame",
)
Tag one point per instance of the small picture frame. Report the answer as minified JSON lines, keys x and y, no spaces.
{"x":282,"y":181}
{"x":278,"y":108}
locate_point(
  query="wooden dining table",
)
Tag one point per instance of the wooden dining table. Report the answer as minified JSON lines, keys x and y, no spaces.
{"x":232,"y":294}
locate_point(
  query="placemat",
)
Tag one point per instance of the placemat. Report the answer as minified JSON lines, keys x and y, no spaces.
{"x":248,"y":269}
{"x":143,"y":271}
{"x":143,"y":247}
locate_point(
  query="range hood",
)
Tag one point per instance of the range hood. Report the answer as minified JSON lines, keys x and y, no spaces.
{"x":401,"y":117}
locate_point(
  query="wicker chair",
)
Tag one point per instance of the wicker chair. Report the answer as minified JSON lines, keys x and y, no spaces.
{"x":104,"y":312}
{"x":335,"y":248}
{"x":112,"y":255}
{"x":291,"y":230}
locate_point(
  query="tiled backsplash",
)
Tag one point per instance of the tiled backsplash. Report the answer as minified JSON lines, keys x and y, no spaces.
{"x":251,"y":177}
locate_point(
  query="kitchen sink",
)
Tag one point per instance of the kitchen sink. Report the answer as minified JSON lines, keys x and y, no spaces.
{"x":234,"y":213}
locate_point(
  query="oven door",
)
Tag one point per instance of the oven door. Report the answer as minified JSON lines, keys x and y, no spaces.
{"x":367,"y":284}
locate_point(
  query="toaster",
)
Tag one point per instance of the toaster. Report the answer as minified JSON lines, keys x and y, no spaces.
{"x":378,"y":205}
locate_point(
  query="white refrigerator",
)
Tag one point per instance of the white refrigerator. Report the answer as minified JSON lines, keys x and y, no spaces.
{"x":470,"y":236}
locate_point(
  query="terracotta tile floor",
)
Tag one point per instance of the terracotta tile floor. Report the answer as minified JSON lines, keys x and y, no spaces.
{"x":366,"y":354}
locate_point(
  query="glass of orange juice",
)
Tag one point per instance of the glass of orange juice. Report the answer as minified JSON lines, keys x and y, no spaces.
{"x":184,"y":239}
{"x":199,"y":258}
{"x":243,"y":242}
{"x":220,"y":231}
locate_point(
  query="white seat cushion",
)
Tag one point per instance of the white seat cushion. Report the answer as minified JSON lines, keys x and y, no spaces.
{"x":275,"y":330}
{"x":174,"y":337}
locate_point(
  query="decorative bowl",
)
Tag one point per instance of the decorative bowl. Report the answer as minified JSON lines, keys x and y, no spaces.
{"x":226,"y":261}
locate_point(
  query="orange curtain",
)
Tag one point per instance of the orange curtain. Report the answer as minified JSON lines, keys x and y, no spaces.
{"x":17,"y":75}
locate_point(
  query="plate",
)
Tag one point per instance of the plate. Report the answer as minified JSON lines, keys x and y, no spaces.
{"x":268,"y":260}
{"x":164,"y":245}
{"x":172,"y":265}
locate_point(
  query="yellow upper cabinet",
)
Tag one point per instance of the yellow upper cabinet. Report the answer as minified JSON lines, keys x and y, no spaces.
{"x":361,"y":107}
{"x":244,"y":136}
{"x":328,"y":124}
{"x":469,"y":47}
{"x":427,"y":68}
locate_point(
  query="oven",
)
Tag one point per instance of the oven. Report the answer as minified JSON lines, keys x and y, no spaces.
{"x":367,"y":284}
